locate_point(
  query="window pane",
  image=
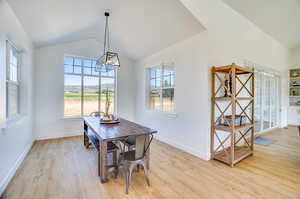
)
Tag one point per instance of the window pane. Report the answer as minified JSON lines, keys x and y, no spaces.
{"x":90,"y":96}
{"x":77,"y":62}
{"x":68,"y":69}
{"x":111,"y":73}
{"x":77,"y":69}
{"x":168,"y":77}
{"x":87,"y":63}
{"x":152,"y":73}
{"x":72,"y":95}
{"x":87,"y":70}
{"x":154,"y":102}
{"x":13,"y":70}
{"x":152,"y":83}
{"x":68,"y":60}
{"x":108,"y":73}
{"x":168,"y":99}
{"x":12,"y":102}
{"x":155,"y":77}
{"x":94,"y":72}
{"x":13,"y":56}
{"x":107,"y":94}
{"x":157,"y":82}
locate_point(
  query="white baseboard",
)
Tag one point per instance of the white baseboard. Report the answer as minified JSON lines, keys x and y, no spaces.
{"x":48,"y":137}
{"x":185,"y":148}
{"x":12,"y":171}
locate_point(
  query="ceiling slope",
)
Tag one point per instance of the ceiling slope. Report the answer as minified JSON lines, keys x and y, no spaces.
{"x":138,"y":27}
{"x":280,"y":19}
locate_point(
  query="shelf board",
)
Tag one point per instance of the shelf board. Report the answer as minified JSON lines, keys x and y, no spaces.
{"x":240,"y":153}
{"x":231,"y":98}
{"x":294,"y":87}
{"x":227,"y":69}
{"x":229,"y":129}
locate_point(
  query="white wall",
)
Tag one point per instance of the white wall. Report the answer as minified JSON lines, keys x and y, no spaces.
{"x":295,"y":58}
{"x":15,"y":137}
{"x":229,"y":38}
{"x":232,"y":35}
{"x":49,"y":88}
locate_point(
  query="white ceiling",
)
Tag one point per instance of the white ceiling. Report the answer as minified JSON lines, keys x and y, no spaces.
{"x":138,"y":27}
{"x":279,"y":18}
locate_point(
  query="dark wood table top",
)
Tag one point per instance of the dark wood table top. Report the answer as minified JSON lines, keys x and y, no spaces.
{"x":125,"y":128}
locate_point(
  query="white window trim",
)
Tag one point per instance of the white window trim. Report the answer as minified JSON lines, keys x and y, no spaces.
{"x":171,"y":114}
{"x":13,"y":119}
{"x":82,"y":87}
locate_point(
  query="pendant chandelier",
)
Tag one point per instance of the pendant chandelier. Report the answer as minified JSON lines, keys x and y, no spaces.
{"x":109,"y":60}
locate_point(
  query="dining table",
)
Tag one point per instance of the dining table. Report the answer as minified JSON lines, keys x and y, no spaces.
{"x":100,"y":134}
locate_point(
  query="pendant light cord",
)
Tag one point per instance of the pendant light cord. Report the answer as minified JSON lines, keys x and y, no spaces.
{"x":106,"y":36}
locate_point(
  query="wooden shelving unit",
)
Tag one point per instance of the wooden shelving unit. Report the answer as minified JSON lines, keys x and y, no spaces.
{"x":232,"y":122}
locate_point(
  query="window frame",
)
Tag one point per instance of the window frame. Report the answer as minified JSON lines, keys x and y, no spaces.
{"x":11,"y":46}
{"x":161,"y":87}
{"x":82,"y":75}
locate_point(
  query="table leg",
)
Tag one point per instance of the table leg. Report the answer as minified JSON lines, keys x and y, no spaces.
{"x":147,"y":156}
{"x":85,"y":137}
{"x":103,"y":161}
{"x":85,"y":140}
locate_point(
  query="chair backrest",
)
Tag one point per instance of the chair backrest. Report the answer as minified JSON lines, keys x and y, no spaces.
{"x":141,"y":146}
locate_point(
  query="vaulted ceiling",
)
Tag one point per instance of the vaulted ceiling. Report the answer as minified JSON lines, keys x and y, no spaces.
{"x":138,"y":27}
{"x":279,"y":18}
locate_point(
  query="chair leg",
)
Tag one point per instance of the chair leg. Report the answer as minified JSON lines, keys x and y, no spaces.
{"x":130,"y":170}
{"x":127,"y":181}
{"x":115,"y":163}
{"x":146,"y":173}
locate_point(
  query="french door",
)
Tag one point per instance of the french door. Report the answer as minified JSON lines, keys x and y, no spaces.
{"x":266,"y":101}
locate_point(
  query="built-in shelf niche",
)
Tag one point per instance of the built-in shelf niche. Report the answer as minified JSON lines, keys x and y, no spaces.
{"x":294,"y":87}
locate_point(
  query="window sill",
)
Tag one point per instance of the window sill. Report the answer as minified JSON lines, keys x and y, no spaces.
{"x":72,"y":117}
{"x":11,"y":122}
{"x":169,"y":114}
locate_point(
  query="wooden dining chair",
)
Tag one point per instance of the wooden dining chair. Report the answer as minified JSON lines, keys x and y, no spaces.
{"x":132,"y":158}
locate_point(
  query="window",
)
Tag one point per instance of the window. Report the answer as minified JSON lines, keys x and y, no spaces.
{"x":82,"y":86}
{"x":12,"y":81}
{"x":161,"y":88}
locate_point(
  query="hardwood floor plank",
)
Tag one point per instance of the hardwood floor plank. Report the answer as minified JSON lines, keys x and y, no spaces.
{"x":63,"y":168}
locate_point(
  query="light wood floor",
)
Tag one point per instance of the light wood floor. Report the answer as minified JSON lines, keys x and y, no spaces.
{"x":64,"y":169}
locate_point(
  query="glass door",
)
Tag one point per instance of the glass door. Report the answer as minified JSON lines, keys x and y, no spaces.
{"x":266,"y":101}
{"x":258,"y":102}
